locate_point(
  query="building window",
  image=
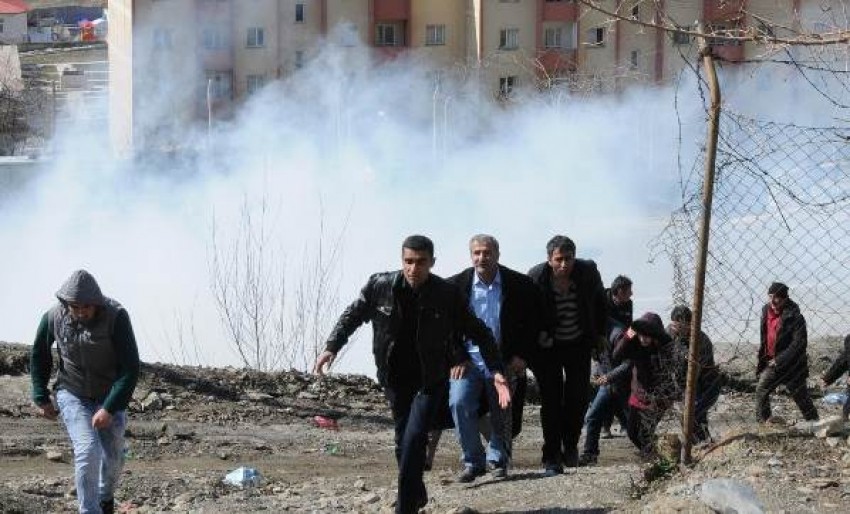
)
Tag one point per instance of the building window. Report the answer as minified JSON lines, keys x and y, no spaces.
{"x":214,"y":38}
{"x":299,"y":13}
{"x":256,"y":37}
{"x":219,"y":84}
{"x":506,"y":85}
{"x":553,"y":38}
{"x":162,"y":38}
{"x":387,"y":34}
{"x":680,"y":38}
{"x":299,"y":59}
{"x":596,"y":36}
{"x":636,"y":12}
{"x":2,"y":22}
{"x":634,"y":58}
{"x":255,"y":83}
{"x":508,"y":39}
{"x":435,"y":35}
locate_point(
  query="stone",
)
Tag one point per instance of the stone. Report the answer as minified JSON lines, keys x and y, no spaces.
{"x":55,"y":456}
{"x":728,"y":495}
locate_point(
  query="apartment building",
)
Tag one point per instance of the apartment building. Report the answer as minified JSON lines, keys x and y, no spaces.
{"x":196,"y":59}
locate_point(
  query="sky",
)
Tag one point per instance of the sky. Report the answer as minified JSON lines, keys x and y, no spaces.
{"x":353,"y":162}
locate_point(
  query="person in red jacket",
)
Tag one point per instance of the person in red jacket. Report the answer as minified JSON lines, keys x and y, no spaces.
{"x":782,"y":355}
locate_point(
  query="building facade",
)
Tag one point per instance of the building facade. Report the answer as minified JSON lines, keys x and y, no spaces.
{"x":196,"y":59}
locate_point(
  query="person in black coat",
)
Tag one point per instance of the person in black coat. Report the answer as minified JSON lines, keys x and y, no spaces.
{"x":782,"y":357}
{"x":574,"y":321}
{"x":508,"y":302}
{"x":416,"y":320}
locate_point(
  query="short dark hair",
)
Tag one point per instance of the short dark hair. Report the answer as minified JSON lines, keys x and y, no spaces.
{"x":681,"y":313}
{"x":418,"y":243}
{"x":778,"y":289}
{"x":562,"y":243}
{"x":620,"y":282}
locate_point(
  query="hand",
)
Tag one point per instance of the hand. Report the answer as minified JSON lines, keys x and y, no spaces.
{"x":325,"y":359}
{"x":601,"y":380}
{"x":47,"y":411}
{"x":502,"y":390}
{"x":102,"y":419}
{"x":517,"y":365}
{"x":630,"y":333}
{"x":771,"y":363}
{"x":458,"y":371}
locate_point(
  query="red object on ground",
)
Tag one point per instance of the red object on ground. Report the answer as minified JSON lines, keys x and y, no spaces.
{"x":323,"y":422}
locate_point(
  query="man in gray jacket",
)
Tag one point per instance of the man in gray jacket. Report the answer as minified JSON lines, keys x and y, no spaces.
{"x":98,"y":370}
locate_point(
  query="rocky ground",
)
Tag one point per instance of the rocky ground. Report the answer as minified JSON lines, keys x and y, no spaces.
{"x":191,"y":426}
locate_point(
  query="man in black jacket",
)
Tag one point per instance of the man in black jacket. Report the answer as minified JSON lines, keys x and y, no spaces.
{"x":508,"y":302}
{"x":574,"y":321}
{"x":782,"y":355}
{"x":417,"y":319}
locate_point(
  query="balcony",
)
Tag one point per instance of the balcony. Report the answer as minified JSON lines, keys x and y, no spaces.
{"x":556,"y":61}
{"x":730,"y":53}
{"x":213,"y":9}
{"x":563,"y":10}
{"x":216,"y":59}
{"x":391,"y":10}
{"x":723,"y":10}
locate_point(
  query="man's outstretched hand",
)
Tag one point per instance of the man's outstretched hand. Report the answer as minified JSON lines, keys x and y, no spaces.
{"x":324,"y":360}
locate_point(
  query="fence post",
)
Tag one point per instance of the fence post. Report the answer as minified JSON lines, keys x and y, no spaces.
{"x":702,"y":252}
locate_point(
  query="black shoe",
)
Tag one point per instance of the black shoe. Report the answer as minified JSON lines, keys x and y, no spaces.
{"x":587,"y":459}
{"x":571,"y":459}
{"x":469,"y":474}
{"x":551,"y":470}
{"x":107,"y":506}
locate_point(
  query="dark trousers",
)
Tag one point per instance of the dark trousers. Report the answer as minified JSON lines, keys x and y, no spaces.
{"x":414,"y":412}
{"x":563,"y":375}
{"x":641,"y":427}
{"x":705,"y":399}
{"x":769,"y":380}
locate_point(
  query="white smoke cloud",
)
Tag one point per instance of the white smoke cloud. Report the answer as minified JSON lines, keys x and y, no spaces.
{"x":354,"y":149}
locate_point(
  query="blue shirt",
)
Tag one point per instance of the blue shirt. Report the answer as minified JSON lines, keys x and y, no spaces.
{"x":485,"y":300}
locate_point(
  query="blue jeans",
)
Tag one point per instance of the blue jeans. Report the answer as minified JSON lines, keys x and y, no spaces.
{"x":605,"y":403}
{"x":464,"y":395}
{"x":98,"y":454}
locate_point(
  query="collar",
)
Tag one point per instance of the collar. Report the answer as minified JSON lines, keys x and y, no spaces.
{"x":497,"y":280}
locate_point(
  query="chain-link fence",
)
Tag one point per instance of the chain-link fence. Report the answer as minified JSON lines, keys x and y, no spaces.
{"x":781,"y":212}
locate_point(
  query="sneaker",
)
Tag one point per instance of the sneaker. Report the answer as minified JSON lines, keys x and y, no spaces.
{"x":586,"y":459}
{"x":499,"y":472}
{"x":551,"y":470}
{"x":606,"y":434}
{"x":469,"y":474}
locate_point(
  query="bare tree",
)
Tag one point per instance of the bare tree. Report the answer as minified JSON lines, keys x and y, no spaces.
{"x":248,"y":283}
{"x":316,"y":299}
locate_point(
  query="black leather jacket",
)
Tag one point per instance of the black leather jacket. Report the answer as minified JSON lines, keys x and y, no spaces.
{"x":445,"y":320}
